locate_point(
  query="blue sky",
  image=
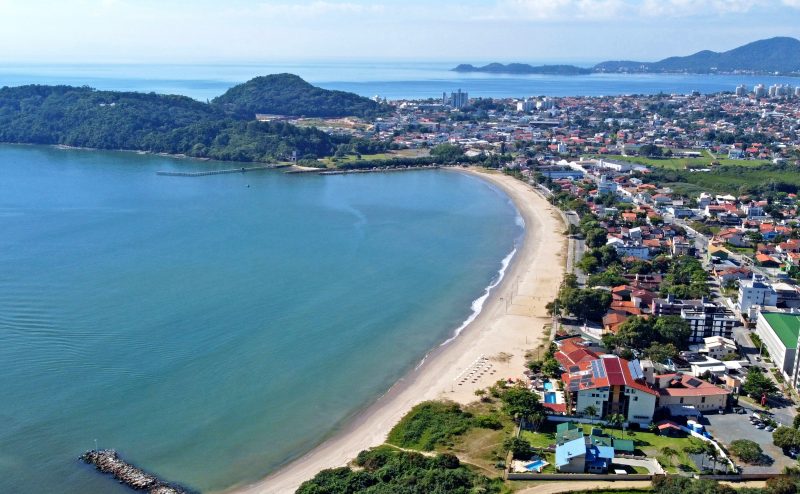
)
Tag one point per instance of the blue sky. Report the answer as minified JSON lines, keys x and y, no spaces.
{"x":78,"y":31}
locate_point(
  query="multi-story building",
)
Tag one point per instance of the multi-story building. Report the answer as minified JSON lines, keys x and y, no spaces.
{"x":611,"y":385}
{"x":778,"y":332}
{"x":459,"y":99}
{"x":741,"y":90}
{"x":755,"y":291}
{"x":707,"y":319}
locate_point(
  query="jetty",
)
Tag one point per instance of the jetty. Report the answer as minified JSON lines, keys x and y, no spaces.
{"x":220,"y":172}
{"x":107,"y":461}
{"x":379,"y":170}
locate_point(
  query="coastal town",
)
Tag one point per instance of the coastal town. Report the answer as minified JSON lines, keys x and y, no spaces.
{"x":675,"y":330}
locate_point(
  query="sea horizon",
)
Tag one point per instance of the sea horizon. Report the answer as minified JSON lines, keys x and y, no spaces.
{"x":391,"y":80}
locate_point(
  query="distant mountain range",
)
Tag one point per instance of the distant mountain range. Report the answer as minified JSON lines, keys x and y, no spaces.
{"x":775,"y":55}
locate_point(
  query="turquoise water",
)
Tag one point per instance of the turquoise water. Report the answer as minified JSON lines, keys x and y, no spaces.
{"x":393,"y":80}
{"x":213,"y":328}
{"x":550,"y":397}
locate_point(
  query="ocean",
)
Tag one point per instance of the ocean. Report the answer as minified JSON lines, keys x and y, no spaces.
{"x":392,"y":80}
{"x":212,"y":328}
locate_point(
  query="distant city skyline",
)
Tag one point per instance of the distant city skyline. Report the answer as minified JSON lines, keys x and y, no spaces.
{"x":570,"y":31}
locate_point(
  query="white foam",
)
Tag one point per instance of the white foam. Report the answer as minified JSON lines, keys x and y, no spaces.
{"x":477,"y":304}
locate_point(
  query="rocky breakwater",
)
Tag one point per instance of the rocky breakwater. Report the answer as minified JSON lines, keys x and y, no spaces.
{"x":107,"y":461}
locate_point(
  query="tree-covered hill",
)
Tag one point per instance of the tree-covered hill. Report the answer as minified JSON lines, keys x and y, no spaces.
{"x":288,"y":94}
{"x":780,"y":54}
{"x":84,"y":117}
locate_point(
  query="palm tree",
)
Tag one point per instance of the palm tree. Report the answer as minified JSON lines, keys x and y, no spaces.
{"x":591,"y":411}
{"x":712,"y":452}
{"x":536,"y":419}
{"x":669,"y":453}
{"x":615,"y":420}
{"x":696,"y":448}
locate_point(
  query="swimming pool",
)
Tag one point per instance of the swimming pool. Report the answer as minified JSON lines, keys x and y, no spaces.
{"x":550,"y":397}
{"x":536,"y":465}
{"x":548,"y":386}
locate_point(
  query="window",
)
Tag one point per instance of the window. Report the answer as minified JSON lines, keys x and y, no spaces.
{"x":681,"y":400}
{"x":703,"y":399}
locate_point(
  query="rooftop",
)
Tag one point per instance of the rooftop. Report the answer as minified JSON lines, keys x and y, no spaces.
{"x":785,"y":325}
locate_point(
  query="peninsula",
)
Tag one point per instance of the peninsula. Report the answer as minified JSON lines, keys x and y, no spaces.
{"x":780,"y":55}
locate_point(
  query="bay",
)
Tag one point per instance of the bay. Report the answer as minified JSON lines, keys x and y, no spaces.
{"x":212,"y":328}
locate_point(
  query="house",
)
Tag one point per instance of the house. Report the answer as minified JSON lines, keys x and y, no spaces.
{"x":688,"y":391}
{"x":716,"y":347}
{"x":611,"y":385}
{"x":580,"y":456}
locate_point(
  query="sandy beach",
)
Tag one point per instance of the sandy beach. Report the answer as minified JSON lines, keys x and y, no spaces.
{"x":492,"y":347}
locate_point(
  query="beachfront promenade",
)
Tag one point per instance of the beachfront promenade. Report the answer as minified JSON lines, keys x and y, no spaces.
{"x":512,"y":322}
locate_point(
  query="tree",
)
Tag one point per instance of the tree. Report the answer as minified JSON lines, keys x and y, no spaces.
{"x":696,"y":447}
{"x":786,"y":437}
{"x":615,"y":420}
{"x":660,"y":352}
{"x":520,"y":448}
{"x":590,"y":411}
{"x":712,"y":453}
{"x":520,"y":403}
{"x":781,"y":485}
{"x":746,"y":450}
{"x":756,"y":384}
{"x":673,"y":330}
{"x":551,"y":367}
{"x":669,"y":453}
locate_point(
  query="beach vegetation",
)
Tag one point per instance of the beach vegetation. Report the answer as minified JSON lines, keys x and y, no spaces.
{"x":520,"y":449}
{"x":386,"y":470}
{"x":430,"y":424}
{"x":520,"y":402}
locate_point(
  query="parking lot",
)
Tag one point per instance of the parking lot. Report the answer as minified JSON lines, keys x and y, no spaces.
{"x":729,"y":427}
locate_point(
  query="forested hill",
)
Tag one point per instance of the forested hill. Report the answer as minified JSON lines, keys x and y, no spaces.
{"x":81,"y":116}
{"x":779,"y":54}
{"x":288,"y":94}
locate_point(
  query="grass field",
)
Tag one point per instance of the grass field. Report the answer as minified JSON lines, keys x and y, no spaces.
{"x":686,"y":163}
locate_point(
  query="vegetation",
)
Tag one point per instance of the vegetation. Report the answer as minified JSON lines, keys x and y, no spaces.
{"x":746,"y":450}
{"x":659,"y":337}
{"x":434,"y":423}
{"x":756,"y":384}
{"x":384,"y":470}
{"x":780,"y":54}
{"x":84,"y":117}
{"x":786,"y":437}
{"x":288,"y":94}
{"x":758,"y":178}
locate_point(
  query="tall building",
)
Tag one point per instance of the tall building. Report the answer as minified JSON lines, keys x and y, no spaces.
{"x":526,"y":105}
{"x":741,"y":90}
{"x":459,"y":99}
{"x":759,"y":90}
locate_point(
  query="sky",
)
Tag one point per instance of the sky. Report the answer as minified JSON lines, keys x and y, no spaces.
{"x":470,"y":31}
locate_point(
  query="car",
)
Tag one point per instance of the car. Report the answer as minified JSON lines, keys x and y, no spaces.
{"x":769,"y":428}
{"x":761,"y":426}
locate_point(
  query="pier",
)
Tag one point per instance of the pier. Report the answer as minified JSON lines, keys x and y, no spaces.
{"x":379,"y":170}
{"x":219,"y":172}
{"x":107,"y":461}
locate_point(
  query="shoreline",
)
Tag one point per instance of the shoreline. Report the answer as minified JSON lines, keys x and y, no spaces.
{"x":510,"y":322}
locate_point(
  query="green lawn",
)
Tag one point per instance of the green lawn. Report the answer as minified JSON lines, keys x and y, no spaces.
{"x":647,"y":443}
{"x":685,"y":163}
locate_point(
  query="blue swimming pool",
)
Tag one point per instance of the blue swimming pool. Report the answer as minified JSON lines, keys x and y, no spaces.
{"x":536,"y":465}
{"x":550,"y":397}
{"x":548,"y":386}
